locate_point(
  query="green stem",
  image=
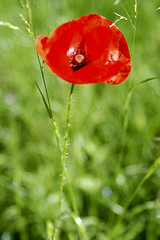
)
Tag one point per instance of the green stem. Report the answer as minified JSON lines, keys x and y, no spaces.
{"x":65,"y":146}
{"x":64,"y":169}
{"x":70,"y":189}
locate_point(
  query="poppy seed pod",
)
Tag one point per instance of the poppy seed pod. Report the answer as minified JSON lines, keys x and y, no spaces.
{"x":89,"y":49}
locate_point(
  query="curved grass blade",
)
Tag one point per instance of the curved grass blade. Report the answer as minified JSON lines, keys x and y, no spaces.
{"x":150,"y":171}
{"x":45,"y":102}
{"x":80,"y":226}
{"x":76,"y":219}
{"x":144,"y":81}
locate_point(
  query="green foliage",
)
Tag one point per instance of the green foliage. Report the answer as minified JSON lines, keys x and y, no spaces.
{"x":114,"y":136}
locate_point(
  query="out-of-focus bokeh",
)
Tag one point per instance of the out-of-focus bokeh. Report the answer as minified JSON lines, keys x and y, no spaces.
{"x":104,"y":170}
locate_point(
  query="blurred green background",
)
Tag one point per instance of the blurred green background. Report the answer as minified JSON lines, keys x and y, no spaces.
{"x":103,"y":173}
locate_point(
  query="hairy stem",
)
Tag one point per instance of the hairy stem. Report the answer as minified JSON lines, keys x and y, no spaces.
{"x":65,"y":146}
{"x":69,"y":185}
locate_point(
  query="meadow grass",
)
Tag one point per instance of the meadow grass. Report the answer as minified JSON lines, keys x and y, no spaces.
{"x":111,"y":187}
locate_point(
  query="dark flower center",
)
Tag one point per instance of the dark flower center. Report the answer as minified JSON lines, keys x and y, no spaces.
{"x":79,"y":60}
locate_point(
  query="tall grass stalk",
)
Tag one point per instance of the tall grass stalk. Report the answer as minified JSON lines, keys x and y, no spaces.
{"x":64,"y":172}
{"x":126,"y":109}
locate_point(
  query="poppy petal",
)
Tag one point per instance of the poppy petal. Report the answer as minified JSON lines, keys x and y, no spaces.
{"x":89,"y":49}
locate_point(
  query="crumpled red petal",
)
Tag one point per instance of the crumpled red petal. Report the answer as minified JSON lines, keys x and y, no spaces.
{"x":97,"y":40}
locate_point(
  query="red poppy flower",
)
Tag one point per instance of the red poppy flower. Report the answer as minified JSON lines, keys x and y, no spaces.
{"x":89,"y":49}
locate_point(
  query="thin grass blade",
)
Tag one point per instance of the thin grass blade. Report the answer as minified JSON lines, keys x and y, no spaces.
{"x":7,"y":24}
{"x":150,"y":171}
{"x":45,"y":102}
